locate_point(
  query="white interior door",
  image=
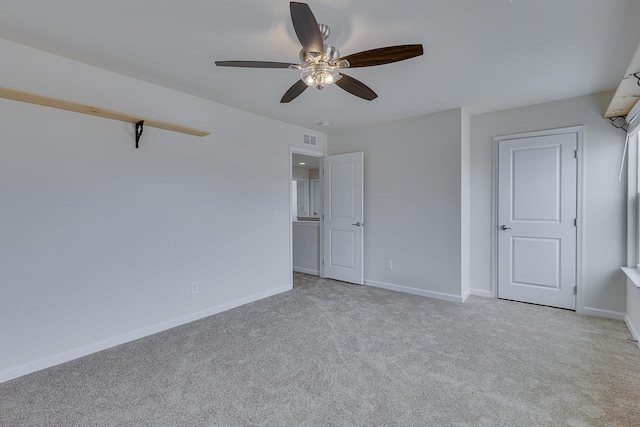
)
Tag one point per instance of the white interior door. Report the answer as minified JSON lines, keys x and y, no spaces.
{"x":343,"y":217}
{"x":537,"y":192}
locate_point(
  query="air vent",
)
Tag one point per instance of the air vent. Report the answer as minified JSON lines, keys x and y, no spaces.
{"x":310,"y":140}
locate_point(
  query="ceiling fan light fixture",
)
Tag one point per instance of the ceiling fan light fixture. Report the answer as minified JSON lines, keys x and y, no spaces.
{"x":324,"y":79}
{"x":320,"y":75}
{"x":306,"y":75}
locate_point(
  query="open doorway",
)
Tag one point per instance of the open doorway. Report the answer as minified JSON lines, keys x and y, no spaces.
{"x":327,"y":215}
{"x":305,"y":212}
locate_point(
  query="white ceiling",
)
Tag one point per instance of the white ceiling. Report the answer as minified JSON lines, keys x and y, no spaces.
{"x":484,"y":55}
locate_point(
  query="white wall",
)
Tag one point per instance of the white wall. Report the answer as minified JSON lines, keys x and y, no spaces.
{"x":300,"y":173}
{"x":412,"y":201}
{"x":100,"y":242}
{"x":604,"y":197}
{"x":306,"y":247}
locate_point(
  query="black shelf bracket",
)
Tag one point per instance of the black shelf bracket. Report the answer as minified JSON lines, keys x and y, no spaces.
{"x":615,"y":122}
{"x":139,"y":130}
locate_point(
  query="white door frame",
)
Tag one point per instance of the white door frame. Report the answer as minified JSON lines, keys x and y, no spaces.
{"x":311,"y":153}
{"x":579,"y":131}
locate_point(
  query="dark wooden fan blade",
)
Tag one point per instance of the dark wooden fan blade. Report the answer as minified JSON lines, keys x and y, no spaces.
{"x":253,"y":64}
{"x":306,"y":27}
{"x":384,"y":55}
{"x":293,"y":92}
{"x":356,"y":87}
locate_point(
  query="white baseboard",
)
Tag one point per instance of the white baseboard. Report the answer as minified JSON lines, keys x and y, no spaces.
{"x":47,"y":362}
{"x":634,"y":329}
{"x":415,"y":291}
{"x":477,"y":293}
{"x":481,"y":293}
{"x":596,"y":312}
{"x":306,"y":271}
{"x":466,"y":295}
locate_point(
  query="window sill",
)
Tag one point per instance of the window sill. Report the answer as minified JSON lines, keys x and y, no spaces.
{"x":633,"y":274}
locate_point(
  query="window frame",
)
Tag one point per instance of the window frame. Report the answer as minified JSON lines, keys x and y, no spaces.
{"x":634,"y":193}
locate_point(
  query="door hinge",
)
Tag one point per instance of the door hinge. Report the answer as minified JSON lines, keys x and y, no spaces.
{"x":575,"y":290}
{"x":575,"y":222}
{"x":575,"y":153}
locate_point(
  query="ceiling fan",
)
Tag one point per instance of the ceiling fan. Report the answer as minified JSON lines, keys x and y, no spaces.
{"x":321,"y":63}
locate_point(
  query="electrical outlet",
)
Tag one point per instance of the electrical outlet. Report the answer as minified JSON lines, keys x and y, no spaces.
{"x":389,"y":265}
{"x":194,"y":288}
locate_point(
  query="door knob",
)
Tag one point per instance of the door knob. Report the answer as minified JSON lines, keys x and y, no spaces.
{"x":504,"y":227}
{"x":357,"y":224}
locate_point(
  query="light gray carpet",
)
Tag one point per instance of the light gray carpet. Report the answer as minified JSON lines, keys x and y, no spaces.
{"x":334,"y":354}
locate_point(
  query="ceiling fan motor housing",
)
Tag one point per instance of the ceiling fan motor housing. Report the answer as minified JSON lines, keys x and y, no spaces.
{"x":330,"y":54}
{"x":320,"y":70}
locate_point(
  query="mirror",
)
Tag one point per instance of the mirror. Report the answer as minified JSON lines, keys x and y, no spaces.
{"x":315,"y":198}
{"x":301,"y":195}
{"x":305,"y":193}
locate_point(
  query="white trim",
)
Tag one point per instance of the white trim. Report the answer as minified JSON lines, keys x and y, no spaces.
{"x":481,"y":293}
{"x":414,"y":291}
{"x":466,"y":296}
{"x":321,"y":236}
{"x":633,"y":329}
{"x":306,"y":271}
{"x":632,"y":202}
{"x":47,"y":362}
{"x":537,"y":134}
{"x":494,"y":221}
{"x":632,"y":274}
{"x":305,"y":151}
{"x":311,"y":153}
{"x":580,"y":214}
{"x":597,"y":312}
{"x":579,"y":131}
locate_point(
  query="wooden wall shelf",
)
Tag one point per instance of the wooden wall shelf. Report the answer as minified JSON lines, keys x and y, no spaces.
{"x":95,"y":111}
{"x":628,"y":92}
